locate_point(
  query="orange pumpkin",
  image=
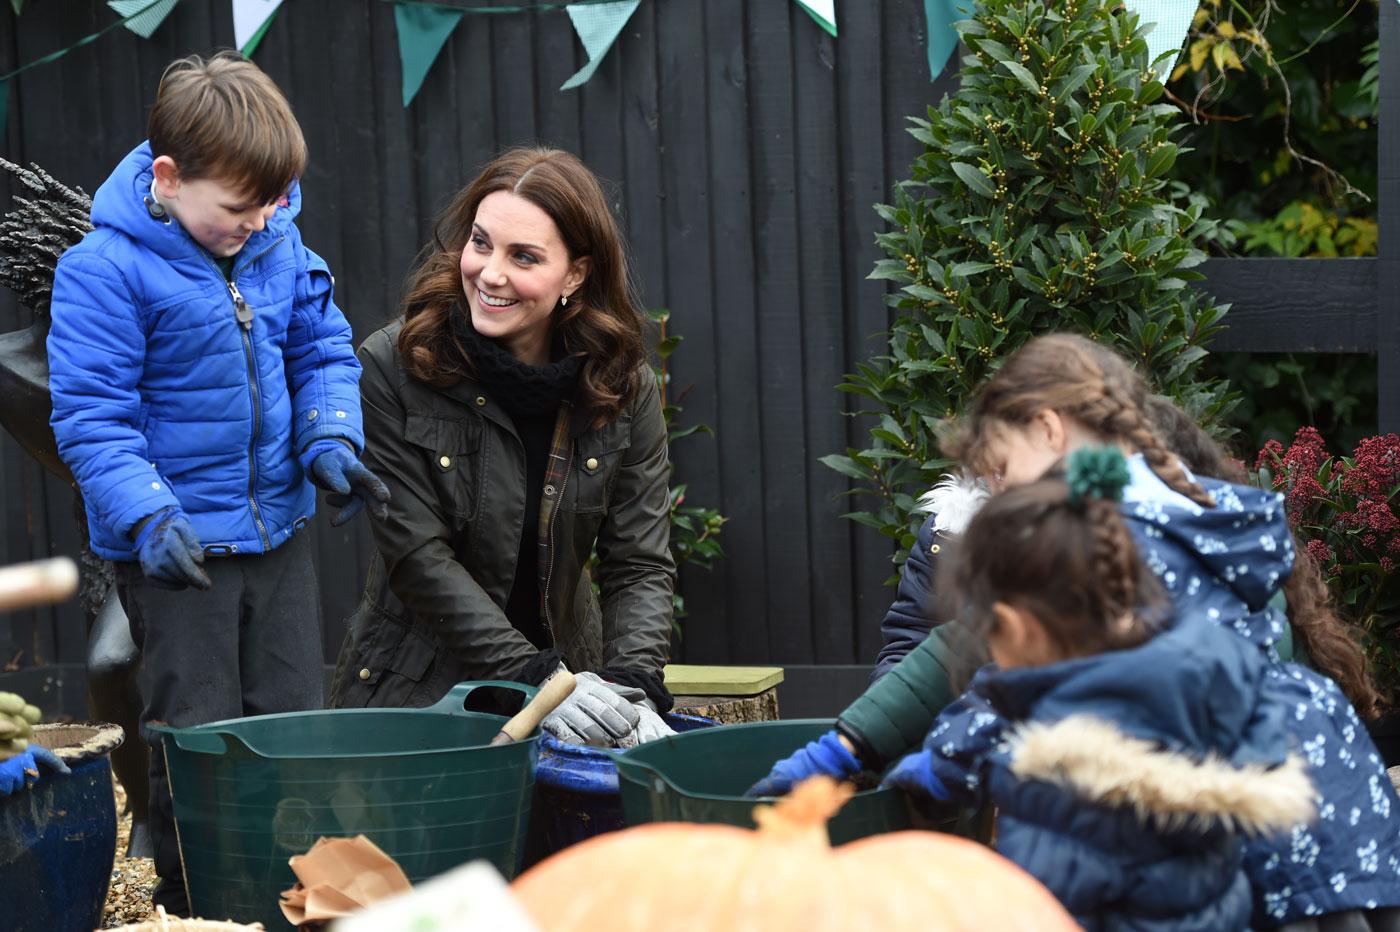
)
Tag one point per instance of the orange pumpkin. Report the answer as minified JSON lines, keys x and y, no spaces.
{"x":784,"y":877}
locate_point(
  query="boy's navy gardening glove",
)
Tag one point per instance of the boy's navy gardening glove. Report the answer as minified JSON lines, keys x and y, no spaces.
{"x":25,"y":768}
{"x":914,"y":774}
{"x":170,"y":551}
{"x":826,"y":756}
{"x":334,"y":467}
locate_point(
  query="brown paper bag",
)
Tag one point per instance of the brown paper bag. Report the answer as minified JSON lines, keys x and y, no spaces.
{"x":340,"y":876}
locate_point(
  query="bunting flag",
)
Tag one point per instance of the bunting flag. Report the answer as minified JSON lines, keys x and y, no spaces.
{"x":597,"y":25}
{"x":940,"y":16}
{"x":1172,"y":19}
{"x":142,"y":16}
{"x":423,"y":30}
{"x":250,"y":21}
{"x":823,"y":11}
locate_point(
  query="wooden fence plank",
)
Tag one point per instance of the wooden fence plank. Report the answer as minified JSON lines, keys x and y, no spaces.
{"x":1295,"y":305}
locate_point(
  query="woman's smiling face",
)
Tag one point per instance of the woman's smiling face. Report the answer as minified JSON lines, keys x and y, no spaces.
{"x":515,"y":268}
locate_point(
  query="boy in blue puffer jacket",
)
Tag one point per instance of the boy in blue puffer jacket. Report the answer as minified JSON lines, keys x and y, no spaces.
{"x":202,"y":380}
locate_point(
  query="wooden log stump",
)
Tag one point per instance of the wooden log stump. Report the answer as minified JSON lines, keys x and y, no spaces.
{"x":731,"y":710}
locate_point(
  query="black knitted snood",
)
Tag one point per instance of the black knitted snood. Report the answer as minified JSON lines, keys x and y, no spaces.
{"x":522,"y":389}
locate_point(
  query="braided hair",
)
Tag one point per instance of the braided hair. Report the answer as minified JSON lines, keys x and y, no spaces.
{"x":1078,"y":378}
{"x":1058,"y":549}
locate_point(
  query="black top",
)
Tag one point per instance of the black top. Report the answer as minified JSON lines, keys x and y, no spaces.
{"x":531,"y":395}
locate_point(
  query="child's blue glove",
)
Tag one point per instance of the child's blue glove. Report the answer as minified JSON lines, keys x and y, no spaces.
{"x":170,"y":551}
{"x":826,"y":755}
{"x":914,"y":774}
{"x":25,"y":768}
{"x":351,"y":484}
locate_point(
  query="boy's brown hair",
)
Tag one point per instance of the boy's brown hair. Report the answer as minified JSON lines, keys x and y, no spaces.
{"x":224,"y":119}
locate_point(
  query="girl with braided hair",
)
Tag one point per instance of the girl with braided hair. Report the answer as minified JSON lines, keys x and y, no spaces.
{"x":1126,"y":765}
{"x":1220,"y":552}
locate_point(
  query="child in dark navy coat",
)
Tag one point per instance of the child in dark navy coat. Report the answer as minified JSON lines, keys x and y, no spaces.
{"x":1126,"y":767}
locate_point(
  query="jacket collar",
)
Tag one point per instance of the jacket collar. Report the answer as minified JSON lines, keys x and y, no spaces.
{"x":1095,"y":761}
{"x":121,"y":204}
{"x":1196,"y":688}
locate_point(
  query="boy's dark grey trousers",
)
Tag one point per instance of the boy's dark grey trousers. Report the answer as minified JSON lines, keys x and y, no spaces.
{"x":249,"y":646}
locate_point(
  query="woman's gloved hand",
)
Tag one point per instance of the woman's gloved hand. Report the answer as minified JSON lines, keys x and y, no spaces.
{"x":334,"y":467}
{"x":650,"y":724}
{"x":26,"y":767}
{"x":595,"y":713}
{"x":828,"y":755}
{"x":170,"y":551}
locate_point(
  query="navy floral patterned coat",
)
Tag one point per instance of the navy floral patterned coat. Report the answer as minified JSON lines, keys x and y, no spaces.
{"x":1225,"y":563}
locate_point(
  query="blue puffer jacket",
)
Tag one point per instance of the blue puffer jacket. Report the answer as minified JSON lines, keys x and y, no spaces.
{"x":161,"y":397}
{"x":1123,"y":780}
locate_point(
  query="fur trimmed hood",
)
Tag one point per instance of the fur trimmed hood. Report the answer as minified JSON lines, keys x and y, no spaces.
{"x":952,"y":502}
{"x":1094,"y":760}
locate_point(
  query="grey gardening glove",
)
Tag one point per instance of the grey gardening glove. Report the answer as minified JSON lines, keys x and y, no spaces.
{"x":650,"y":725}
{"x":593,"y":714}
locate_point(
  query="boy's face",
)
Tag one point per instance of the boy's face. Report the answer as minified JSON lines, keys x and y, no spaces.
{"x":219,"y":216}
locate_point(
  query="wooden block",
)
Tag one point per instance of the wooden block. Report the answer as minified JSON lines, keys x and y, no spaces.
{"x":693,"y":680}
{"x":731,"y":710}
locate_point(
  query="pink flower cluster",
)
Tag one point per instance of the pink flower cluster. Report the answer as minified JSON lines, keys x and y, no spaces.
{"x":1342,"y":504}
{"x":1375,"y":470}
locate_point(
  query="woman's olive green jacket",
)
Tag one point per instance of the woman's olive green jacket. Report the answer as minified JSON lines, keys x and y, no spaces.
{"x":432,"y":610}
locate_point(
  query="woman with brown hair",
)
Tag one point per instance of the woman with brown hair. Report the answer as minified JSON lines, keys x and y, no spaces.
{"x":511,"y":412}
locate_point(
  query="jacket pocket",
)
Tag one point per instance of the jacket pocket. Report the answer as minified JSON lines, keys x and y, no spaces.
{"x":387,"y":664}
{"x":451,"y":447}
{"x":599,"y":455}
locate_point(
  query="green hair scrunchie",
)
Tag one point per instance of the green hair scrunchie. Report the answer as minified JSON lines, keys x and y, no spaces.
{"x":1096,"y":472}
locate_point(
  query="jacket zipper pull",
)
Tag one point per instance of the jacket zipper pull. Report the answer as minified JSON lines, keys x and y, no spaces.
{"x":241,"y":310}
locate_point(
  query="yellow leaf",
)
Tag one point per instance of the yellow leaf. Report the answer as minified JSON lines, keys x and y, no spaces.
{"x":1200,"y":19}
{"x":1226,"y":29}
{"x":1217,"y":54}
{"x":1231,"y":59}
{"x":1177,"y":72}
{"x":1200,"y":51}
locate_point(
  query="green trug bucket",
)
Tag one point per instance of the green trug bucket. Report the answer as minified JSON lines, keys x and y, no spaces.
{"x":701,"y":776}
{"x":422,"y":784}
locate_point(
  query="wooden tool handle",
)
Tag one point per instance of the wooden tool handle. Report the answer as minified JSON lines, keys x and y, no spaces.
{"x":37,"y":583}
{"x":555,"y":691}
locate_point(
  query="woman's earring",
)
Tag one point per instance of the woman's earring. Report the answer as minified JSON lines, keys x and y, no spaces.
{"x":564,"y":300}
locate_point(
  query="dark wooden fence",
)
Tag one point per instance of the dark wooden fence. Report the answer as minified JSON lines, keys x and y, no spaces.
{"x":744,"y":148}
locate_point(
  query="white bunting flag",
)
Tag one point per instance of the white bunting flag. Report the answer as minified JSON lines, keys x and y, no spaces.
{"x":1172,"y":19}
{"x":823,"y":11}
{"x":249,"y":17}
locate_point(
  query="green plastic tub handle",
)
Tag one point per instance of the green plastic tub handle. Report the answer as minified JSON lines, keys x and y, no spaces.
{"x":202,"y":741}
{"x":454,"y":703}
{"x":641,"y":772}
